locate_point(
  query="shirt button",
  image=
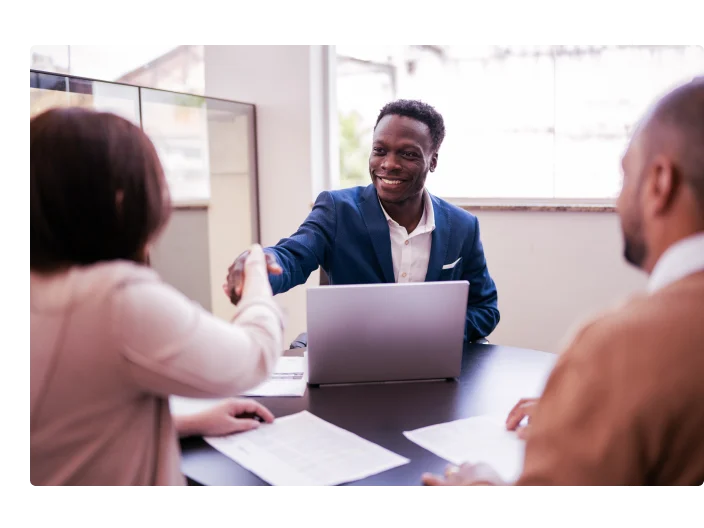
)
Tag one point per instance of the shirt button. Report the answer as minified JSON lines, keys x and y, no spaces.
{"x":403,"y":274}
{"x":406,"y":242}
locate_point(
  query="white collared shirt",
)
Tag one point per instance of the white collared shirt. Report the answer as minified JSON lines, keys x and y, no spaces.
{"x":680,"y":260}
{"x":411,"y":252}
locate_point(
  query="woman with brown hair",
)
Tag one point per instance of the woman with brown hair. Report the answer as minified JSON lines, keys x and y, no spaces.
{"x":109,"y":340}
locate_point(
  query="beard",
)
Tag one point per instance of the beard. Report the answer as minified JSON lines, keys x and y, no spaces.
{"x":635,"y":250}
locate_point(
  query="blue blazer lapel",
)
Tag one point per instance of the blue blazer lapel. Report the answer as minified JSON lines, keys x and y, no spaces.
{"x":378,"y":229}
{"x":440,"y":241}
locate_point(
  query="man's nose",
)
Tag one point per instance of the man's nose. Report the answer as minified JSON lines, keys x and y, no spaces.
{"x":390,"y":162}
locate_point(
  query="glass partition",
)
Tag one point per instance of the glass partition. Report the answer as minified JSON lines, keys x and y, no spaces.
{"x":178,"y":126}
{"x":47,"y":90}
{"x":207,"y":147}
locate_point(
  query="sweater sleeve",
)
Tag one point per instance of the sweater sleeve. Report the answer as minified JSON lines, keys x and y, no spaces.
{"x":171,"y":345}
{"x":584,"y":430}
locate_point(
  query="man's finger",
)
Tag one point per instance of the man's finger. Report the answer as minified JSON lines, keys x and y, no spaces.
{"x":515,"y":418}
{"x":237,"y":276}
{"x":522,"y":402}
{"x":239,"y":260}
{"x":273,"y":266}
{"x":450,"y":470}
{"x":234,"y":273}
{"x":256,"y":256}
{"x":513,"y":411}
{"x":237,"y":264}
{"x":519,"y":404}
{"x":238,"y":283}
{"x":520,"y":411}
{"x":274,"y":270}
{"x":522,"y":432}
{"x":432,"y":480}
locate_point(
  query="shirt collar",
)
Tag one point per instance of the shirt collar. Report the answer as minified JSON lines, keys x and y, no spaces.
{"x":680,"y":260}
{"x":427,"y":221}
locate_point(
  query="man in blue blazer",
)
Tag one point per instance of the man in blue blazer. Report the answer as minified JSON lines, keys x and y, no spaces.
{"x":392,"y":230}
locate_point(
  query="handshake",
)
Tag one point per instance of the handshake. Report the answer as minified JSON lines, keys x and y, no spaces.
{"x":248,"y":276}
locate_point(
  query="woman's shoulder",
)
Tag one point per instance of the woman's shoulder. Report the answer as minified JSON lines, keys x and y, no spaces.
{"x":78,"y":284}
{"x":113,"y":275}
{"x":121,"y":272}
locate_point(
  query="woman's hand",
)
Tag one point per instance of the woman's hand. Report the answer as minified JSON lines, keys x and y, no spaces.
{"x":227,"y":417}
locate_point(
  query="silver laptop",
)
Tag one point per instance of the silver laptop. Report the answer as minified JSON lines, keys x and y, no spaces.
{"x":386,"y":332}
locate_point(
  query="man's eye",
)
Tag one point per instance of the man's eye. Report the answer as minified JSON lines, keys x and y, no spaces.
{"x":378,"y":150}
{"x":410,"y":154}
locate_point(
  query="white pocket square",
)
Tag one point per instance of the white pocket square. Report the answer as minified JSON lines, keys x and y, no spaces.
{"x":450,"y":266}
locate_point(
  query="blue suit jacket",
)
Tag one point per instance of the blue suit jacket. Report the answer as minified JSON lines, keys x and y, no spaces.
{"x":347,"y":234}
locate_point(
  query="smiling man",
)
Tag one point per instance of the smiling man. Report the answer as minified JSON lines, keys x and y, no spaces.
{"x":392,"y":230}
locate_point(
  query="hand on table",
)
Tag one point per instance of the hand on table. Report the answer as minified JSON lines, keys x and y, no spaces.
{"x":524,"y":408}
{"x":483,"y":474}
{"x":222,"y":419}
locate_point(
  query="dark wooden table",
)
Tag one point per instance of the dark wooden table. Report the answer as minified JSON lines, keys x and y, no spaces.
{"x":493,"y":379}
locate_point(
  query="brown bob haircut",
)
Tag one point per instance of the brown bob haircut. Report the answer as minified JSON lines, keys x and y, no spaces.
{"x":98,"y":191}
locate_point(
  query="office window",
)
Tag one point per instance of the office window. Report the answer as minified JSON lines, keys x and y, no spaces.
{"x":524,"y":123}
{"x":364,"y":84}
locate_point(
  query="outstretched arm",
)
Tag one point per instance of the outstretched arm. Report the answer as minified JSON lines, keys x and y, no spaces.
{"x":308,"y":248}
{"x":293,"y":259}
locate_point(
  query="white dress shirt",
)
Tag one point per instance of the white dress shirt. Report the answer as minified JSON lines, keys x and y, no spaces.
{"x":411,"y":252}
{"x":680,"y":260}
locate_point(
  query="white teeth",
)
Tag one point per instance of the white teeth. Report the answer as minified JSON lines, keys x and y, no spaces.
{"x":391,"y":182}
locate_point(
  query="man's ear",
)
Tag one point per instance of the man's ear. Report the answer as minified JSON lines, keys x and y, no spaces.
{"x":433,"y":162}
{"x":661,"y":185}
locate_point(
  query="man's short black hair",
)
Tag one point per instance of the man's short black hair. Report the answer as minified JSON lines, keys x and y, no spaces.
{"x":419,"y":111}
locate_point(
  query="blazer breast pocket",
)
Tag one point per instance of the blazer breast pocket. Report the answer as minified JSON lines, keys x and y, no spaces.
{"x":452,"y":271}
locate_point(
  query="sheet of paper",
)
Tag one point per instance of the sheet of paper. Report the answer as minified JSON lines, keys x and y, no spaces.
{"x":303,"y":450}
{"x":289,"y":379}
{"x":477,"y":439}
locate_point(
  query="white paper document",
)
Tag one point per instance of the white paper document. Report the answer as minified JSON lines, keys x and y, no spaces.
{"x":304,"y":450}
{"x":478,"y":439}
{"x":289,"y":379}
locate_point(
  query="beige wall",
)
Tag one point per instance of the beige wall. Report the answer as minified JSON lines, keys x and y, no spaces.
{"x":230,"y":212}
{"x":279,"y":81}
{"x":180,"y":255}
{"x":553,"y":270}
